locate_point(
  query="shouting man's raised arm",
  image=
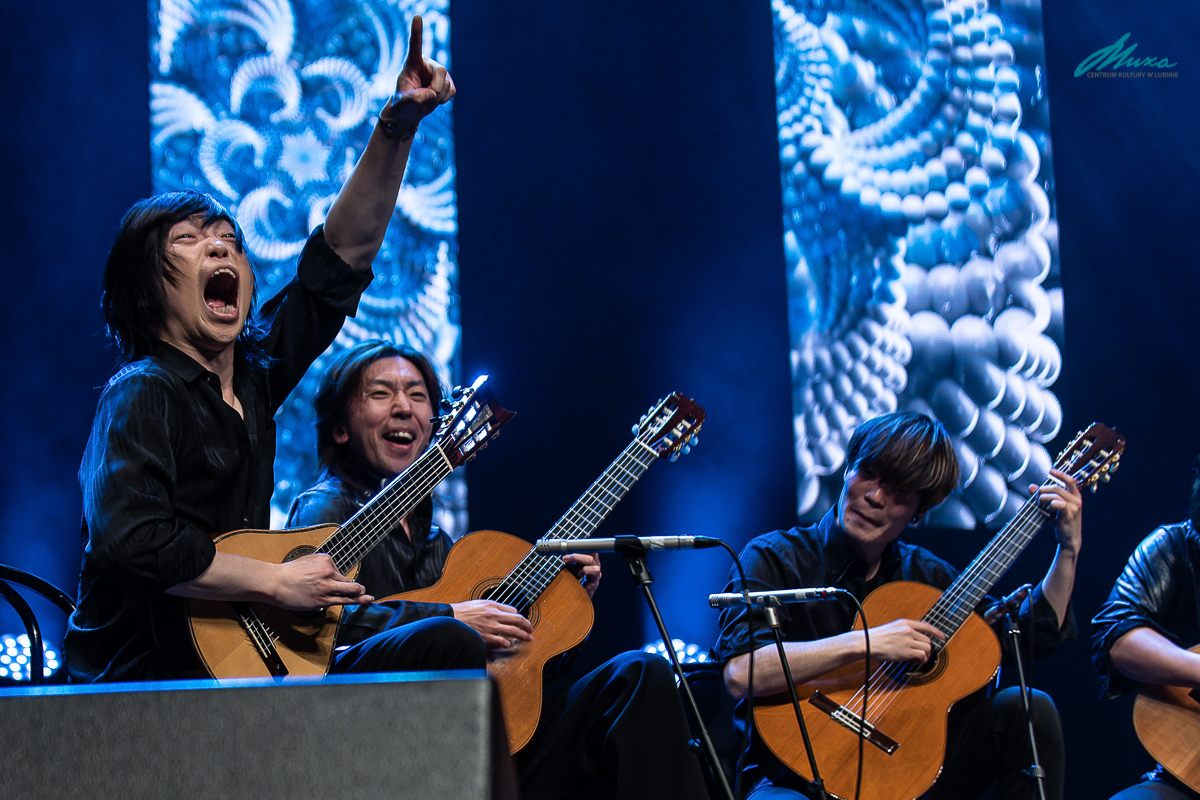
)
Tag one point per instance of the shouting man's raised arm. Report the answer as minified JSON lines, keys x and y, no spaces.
{"x":358,"y":218}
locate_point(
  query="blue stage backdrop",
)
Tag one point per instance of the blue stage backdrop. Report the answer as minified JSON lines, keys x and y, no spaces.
{"x":267,"y":105}
{"x":920,"y":240}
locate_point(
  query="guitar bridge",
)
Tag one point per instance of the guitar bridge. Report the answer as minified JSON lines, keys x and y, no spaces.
{"x":260,"y":636}
{"x":859,"y":726}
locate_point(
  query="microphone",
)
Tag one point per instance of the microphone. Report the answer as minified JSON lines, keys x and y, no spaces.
{"x":625,"y":544}
{"x":728,"y":600}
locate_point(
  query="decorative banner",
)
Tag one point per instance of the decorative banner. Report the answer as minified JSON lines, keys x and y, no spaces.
{"x":920,"y":239}
{"x":266,"y":105}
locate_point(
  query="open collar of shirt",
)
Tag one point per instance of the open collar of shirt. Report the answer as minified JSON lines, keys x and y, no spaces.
{"x":842,"y":559}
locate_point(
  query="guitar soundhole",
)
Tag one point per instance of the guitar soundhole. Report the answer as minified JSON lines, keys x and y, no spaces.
{"x":299,"y":552}
{"x":493,"y":589}
{"x":930,"y":671}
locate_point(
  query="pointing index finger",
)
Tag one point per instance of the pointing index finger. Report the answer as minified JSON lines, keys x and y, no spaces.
{"x":415,"y":58}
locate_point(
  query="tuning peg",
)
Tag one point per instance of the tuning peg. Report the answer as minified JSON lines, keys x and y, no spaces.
{"x":1104,"y":476}
{"x":1113,"y":466}
{"x":695,"y":442}
{"x":634,"y":430}
{"x":1094,"y":487}
{"x":674,"y":457}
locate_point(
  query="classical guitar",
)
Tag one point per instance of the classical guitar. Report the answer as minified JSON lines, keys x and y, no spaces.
{"x":500,"y":567}
{"x":904,"y":727}
{"x":247,"y":640}
{"x":1167,"y":721}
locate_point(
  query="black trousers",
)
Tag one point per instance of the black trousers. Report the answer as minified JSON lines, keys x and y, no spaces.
{"x":434,"y":643}
{"x":1157,"y":785}
{"x":620,"y":729}
{"x":988,"y":741}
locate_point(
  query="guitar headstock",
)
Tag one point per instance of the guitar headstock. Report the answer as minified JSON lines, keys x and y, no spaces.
{"x":671,"y":426}
{"x":1093,"y":455}
{"x":473,"y":419}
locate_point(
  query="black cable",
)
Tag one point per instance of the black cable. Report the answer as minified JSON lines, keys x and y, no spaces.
{"x":749,"y":732}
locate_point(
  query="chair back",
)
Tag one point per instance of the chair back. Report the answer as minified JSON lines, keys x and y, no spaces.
{"x":10,"y":576}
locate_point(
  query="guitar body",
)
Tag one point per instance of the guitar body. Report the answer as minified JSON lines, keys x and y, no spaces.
{"x":1167,"y":721}
{"x":304,"y":640}
{"x":914,"y":714}
{"x":561,"y":617}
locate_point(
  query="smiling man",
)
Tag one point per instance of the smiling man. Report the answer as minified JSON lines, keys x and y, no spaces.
{"x":620,"y":729}
{"x":898,"y":466}
{"x":183,"y":442}
{"x":374,"y":409}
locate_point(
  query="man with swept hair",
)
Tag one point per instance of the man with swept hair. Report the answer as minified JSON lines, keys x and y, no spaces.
{"x":619,"y":729}
{"x":183,"y":443}
{"x":1148,"y":627}
{"x":898,"y":466}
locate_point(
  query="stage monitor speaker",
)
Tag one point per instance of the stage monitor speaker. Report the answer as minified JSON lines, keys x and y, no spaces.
{"x":425,"y":736}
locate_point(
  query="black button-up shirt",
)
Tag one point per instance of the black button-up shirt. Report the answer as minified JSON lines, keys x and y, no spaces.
{"x":822,"y":555}
{"x":169,"y":464}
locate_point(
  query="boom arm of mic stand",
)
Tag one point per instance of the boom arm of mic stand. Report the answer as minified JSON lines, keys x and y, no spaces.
{"x":773,"y":623}
{"x":641,"y":576}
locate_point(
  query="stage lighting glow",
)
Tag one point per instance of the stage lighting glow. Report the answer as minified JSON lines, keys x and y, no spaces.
{"x":686,"y":653}
{"x":15,"y":654}
{"x":919,"y":235}
{"x":267,"y":104}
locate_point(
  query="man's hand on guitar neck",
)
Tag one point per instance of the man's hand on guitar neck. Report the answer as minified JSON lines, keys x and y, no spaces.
{"x":586,"y":567}
{"x":1066,"y":501}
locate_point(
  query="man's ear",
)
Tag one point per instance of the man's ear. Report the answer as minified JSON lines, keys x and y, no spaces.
{"x":340,"y":434}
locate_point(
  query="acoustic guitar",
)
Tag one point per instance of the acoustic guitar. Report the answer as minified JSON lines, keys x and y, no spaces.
{"x":497,"y":566}
{"x":249,"y":640}
{"x":904,"y":725}
{"x":1167,"y":722}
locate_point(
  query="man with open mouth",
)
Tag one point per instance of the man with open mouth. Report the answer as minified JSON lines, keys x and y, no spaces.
{"x":183,"y":443}
{"x":619,"y":730}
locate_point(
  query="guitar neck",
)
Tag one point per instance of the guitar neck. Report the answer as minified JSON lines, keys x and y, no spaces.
{"x":384,"y":511}
{"x":959,"y":601}
{"x":535,"y":572}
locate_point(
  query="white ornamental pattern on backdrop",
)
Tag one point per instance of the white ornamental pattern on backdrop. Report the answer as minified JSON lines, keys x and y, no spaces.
{"x":920,"y":240}
{"x":266,"y":105}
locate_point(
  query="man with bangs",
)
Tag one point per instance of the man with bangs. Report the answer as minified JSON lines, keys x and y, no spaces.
{"x":898,"y":466}
{"x":183,"y":443}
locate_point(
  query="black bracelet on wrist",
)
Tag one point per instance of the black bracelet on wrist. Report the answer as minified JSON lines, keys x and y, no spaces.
{"x":394,"y":130}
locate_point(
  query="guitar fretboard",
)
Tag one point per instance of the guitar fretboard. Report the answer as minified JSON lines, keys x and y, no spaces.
{"x":384,"y":511}
{"x":958,"y":602}
{"x":534,"y":573}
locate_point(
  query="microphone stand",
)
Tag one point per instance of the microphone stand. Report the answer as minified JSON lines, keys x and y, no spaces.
{"x":636,"y":559}
{"x":1034,"y":772}
{"x":769,"y":610}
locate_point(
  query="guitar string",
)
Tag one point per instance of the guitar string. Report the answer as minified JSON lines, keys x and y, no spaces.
{"x":376,"y":508}
{"x":897,"y":676}
{"x":1035,"y":507}
{"x":897,"y":673}
{"x":543,"y":566}
{"x":952,"y":603}
{"x":394,"y":501}
{"x":261,"y":629}
{"x":547,"y":567}
{"x":579,"y":521}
